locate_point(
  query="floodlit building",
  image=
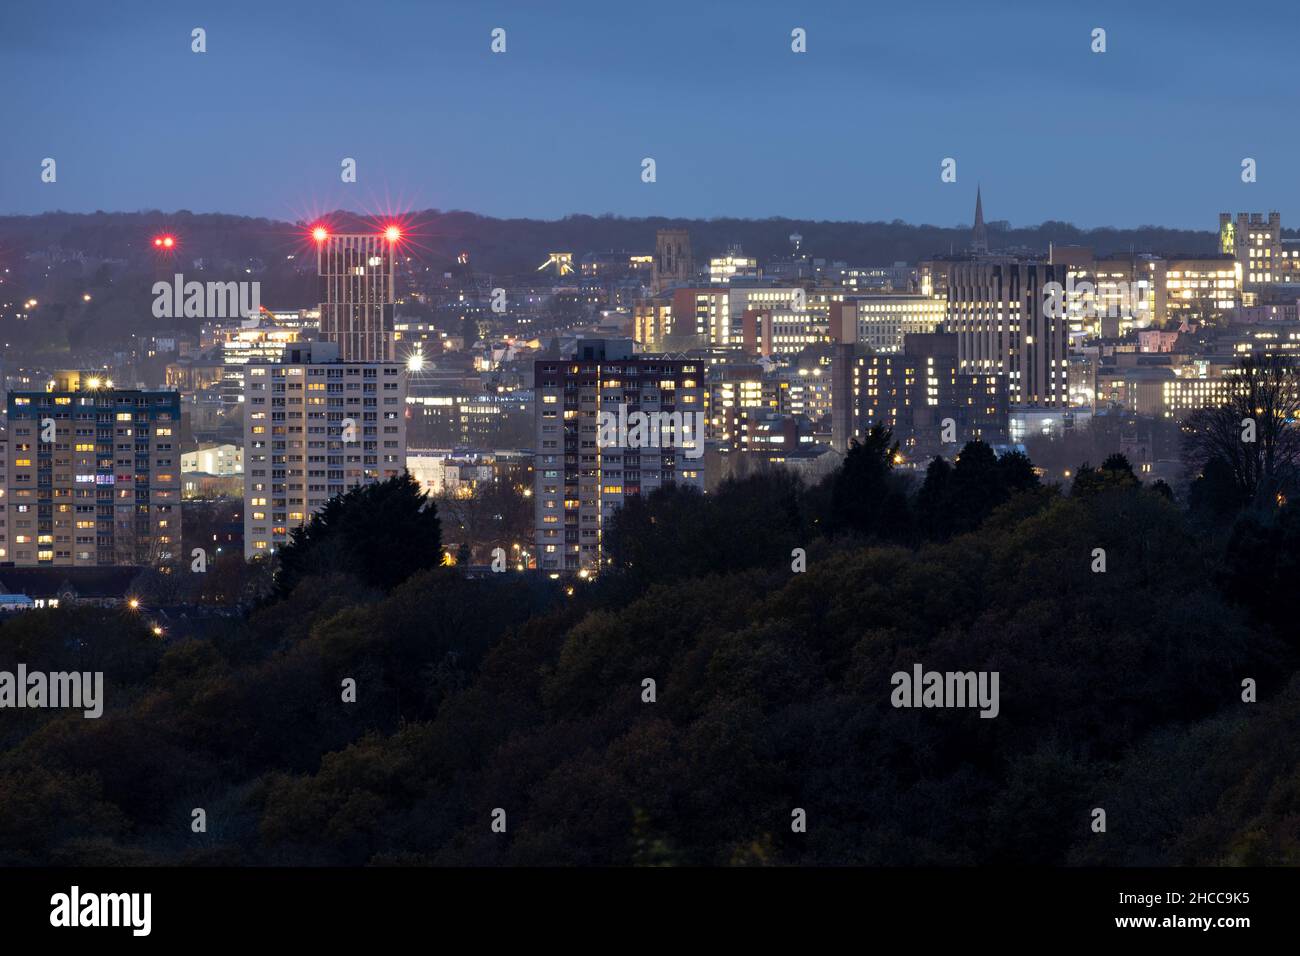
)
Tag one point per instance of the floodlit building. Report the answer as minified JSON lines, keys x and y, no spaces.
{"x":221,"y":460}
{"x":1262,"y":257}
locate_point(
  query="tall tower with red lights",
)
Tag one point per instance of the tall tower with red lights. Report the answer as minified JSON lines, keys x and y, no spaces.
{"x":358,"y":294}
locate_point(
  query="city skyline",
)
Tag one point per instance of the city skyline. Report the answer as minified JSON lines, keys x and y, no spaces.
{"x":699,"y":501}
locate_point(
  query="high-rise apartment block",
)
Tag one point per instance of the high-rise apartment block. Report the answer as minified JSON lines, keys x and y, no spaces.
{"x":358,"y":294}
{"x":93,"y":475}
{"x":600,"y":442}
{"x":315,"y":427}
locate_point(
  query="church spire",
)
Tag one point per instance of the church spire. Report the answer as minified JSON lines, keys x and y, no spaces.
{"x":979,"y":240}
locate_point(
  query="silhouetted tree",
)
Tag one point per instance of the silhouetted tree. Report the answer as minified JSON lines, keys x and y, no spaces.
{"x":864,"y":499}
{"x":1115,"y":472}
{"x":1253,"y":433}
{"x":957,"y":499}
{"x":380,"y":533}
{"x":1215,"y":495}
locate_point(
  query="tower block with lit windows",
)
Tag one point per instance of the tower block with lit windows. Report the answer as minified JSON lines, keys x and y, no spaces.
{"x":324,"y":417}
{"x":93,"y":475}
{"x":358,"y":293}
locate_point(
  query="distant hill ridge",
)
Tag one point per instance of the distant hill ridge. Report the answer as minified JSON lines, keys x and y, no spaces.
{"x":519,"y":245}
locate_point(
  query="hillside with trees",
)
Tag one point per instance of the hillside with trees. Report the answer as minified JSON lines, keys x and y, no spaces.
{"x":1120,"y":689}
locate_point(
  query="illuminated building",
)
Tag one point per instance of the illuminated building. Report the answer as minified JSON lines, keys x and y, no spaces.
{"x":684,"y":318}
{"x":358,"y":295}
{"x":723,"y":269}
{"x":701,"y":318}
{"x":577,"y":483}
{"x":221,"y":460}
{"x":767,"y":332}
{"x":880,"y":321}
{"x":652,"y":323}
{"x":1194,"y":289}
{"x":1263,"y":257}
{"x":561,"y":262}
{"x":912,"y":392}
{"x":758,"y":298}
{"x":240,"y":346}
{"x":998,"y":310}
{"x":732,"y":390}
{"x":315,"y":427}
{"x":1112,"y":296}
{"x":106,"y":489}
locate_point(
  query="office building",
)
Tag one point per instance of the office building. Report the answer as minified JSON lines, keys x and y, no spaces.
{"x":1262,"y":257}
{"x":880,"y":321}
{"x":999,"y":312}
{"x":913,"y":392}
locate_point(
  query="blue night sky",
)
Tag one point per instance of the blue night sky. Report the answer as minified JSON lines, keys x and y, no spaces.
{"x":1152,"y":131}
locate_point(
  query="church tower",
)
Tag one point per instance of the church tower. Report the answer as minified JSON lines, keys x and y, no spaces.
{"x":979,"y":240}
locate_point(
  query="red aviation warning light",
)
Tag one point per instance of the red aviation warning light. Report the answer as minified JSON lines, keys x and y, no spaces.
{"x":392,"y":234}
{"x":320,"y":233}
{"x":164,"y":242}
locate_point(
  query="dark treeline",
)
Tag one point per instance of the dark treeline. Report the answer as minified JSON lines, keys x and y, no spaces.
{"x":518,"y":246}
{"x":1120,"y":690}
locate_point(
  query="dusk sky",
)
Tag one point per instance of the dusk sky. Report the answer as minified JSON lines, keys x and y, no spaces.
{"x":1152,"y":131}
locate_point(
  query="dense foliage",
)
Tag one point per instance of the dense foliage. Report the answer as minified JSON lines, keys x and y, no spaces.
{"x":1120,"y":690}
